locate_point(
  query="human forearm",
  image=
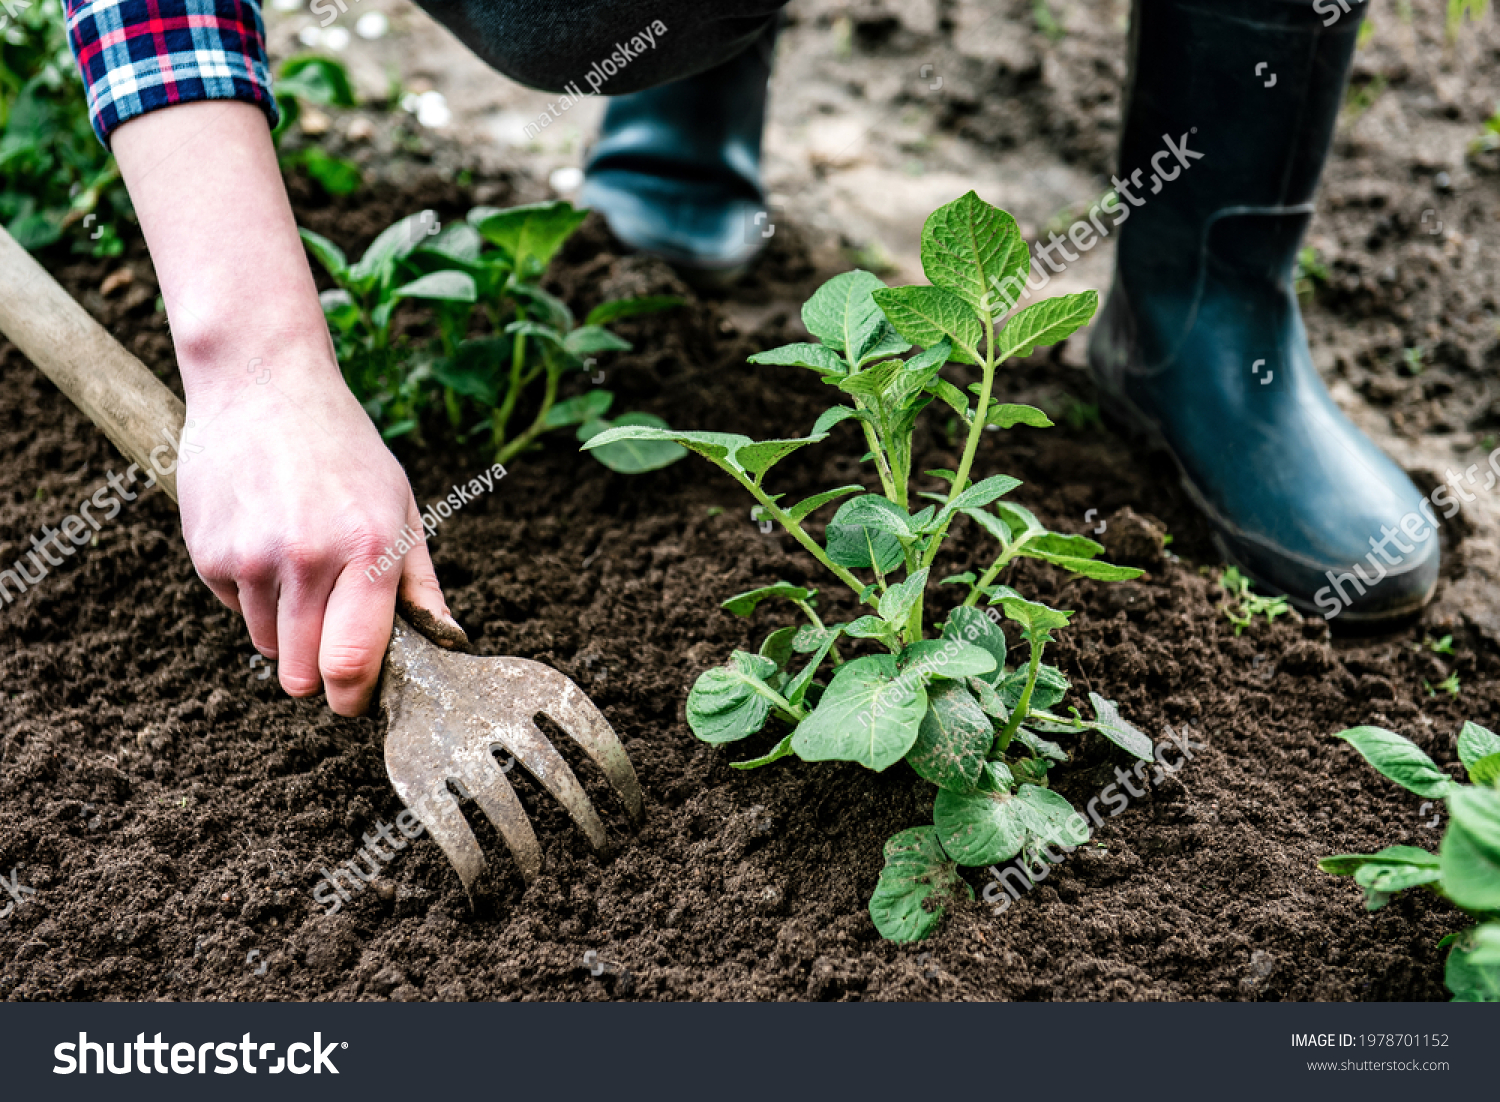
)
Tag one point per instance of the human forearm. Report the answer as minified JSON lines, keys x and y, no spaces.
{"x":293,"y":507}
{"x":237,"y":286}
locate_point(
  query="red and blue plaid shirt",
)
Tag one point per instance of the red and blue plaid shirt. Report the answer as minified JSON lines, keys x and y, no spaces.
{"x":140,"y":55}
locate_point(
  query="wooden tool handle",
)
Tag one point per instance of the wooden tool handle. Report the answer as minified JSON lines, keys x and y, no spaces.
{"x":115,"y":390}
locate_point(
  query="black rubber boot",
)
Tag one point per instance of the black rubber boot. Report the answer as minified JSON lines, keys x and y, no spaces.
{"x":1229,"y":115}
{"x":676,"y":170}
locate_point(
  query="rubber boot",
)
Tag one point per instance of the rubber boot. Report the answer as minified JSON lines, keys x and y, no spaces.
{"x":1229,"y":115}
{"x":676,"y":170}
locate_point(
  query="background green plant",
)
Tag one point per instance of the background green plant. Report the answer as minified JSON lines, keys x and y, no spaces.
{"x":1465,"y":870}
{"x":53,"y":170}
{"x":940,"y":696}
{"x":484,"y":271}
{"x":324,"y":82}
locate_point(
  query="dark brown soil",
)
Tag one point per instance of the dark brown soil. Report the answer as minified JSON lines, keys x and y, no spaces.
{"x":174,"y":812}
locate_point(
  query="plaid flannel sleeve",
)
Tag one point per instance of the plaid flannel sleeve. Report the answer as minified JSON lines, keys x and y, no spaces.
{"x":140,"y":55}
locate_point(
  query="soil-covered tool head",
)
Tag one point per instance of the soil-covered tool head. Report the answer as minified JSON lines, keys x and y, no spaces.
{"x":448,"y":711}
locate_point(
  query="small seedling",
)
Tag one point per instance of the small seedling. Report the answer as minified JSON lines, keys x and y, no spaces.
{"x":1457,"y":9}
{"x":1046,"y":21}
{"x":1449,"y":684}
{"x":1412,"y":358}
{"x":1243,"y":606}
{"x":939,"y":696}
{"x":1311,"y":273}
{"x":1081,"y":416}
{"x":1436,"y":646}
{"x":1489,"y":137}
{"x":1465,"y":870}
{"x":491,"y":263}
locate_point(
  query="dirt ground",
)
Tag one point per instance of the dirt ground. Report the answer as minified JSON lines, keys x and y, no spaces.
{"x":173,"y":812}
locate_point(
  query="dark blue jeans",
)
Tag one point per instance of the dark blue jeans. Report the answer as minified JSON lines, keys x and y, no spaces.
{"x":604,"y":46}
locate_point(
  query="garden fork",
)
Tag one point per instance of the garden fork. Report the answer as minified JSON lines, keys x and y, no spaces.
{"x":446,"y":710}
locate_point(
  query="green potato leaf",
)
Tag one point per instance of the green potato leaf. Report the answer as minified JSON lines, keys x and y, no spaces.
{"x":1088,"y":568}
{"x":378,"y":264}
{"x":718,"y":447}
{"x":326,"y":253}
{"x":992,"y":825}
{"x":897,"y":602}
{"x":843,"y":315}
{"x":759,"y":457}
{"x":837,"y":416}
{"x":950,"y":658}
{"x":1475,"y":742}
{"x":1051,"y":687}
{"x":1109,"y":723}
{"x":1347,"y":864}
{"x":971,"y":249}
{"x":1037,"y":620}
{"x":928,"y":315}
{"x":865,"y":715}
{"x":1470,"y":852}
{"x":1472,"y":971}
{"x":952,"y":397}
{"x":529,"y":235}
{"x":446,"y":286}
{"x":915,"y":885}
{"x":796,"y":689}
{"x":576,"y":411}
{"x":628,"y":454}
{"x":778,"y":648}
{"x":953,"y":740}
{"x":783,"y":749}
{"x":1486,"y":770}
{"x":818,"y":357}
{"x":621,"y":308}
{"x":588,"y":339}
{"x":728,"y":703}
{"x":744,"y":604}
{"x":973,"y":626}
{"x":1008,"y":415}
{"x":817,"y":501}
{"x":1399,"y":759}
{"x":1043,"y":323}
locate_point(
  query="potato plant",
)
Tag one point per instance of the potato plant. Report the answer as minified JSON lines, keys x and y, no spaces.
{"x":324,"y":82}
{"x":944,"y":697}
{"x":1465,"y":870}
{"x":54,"y":174}
{"x":490,"y":265}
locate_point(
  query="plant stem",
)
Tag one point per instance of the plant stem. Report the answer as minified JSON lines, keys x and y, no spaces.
{"x":976,"y":430}
{"x":882,"y":465}
{"x":795,"y":530}
{"x":797,"y":712}
{"x":1024,"y":704}
{"x":987,"y":579}
{"x":513,"y":391}
{"x":818,"y":623}
{"x":524,"y":441}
